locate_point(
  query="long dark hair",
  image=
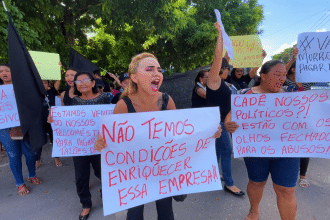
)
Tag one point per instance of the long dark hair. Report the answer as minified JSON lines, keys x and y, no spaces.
{"x":94,"y":89}
{"x":232,"y":74}
{"x":265,"y":69}
{"x":3,"y":64}
{"x":200,"y":74}
{"x":290,"y":72}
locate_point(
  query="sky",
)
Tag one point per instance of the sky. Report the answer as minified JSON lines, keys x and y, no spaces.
{"x":285,"y":19}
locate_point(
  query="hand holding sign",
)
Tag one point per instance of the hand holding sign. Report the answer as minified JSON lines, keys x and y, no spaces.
{"x":217,"y":27}
{"x":99,"y":143}
{"x":226,"y":39}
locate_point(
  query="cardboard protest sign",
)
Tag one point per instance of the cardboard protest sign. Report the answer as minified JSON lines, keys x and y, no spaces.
{"x":47,"y":65}
{"x":75,"y":129}
{"x":248,"y":51}
{"x":154,"y":155}
{"x":8,"y":109}
{"x":226,"y":40}
{"x":313,"y":60}
{"x":282,"y":125}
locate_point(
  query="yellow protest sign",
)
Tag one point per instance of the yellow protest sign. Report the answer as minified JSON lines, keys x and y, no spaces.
{"x":47,"y":65}
{"x":247,"y":50}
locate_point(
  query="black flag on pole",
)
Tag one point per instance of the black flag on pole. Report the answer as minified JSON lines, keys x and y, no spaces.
{"x":29,"y":90}
{"x":81,"y":63}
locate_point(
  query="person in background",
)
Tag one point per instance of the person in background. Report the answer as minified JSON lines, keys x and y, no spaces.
{"x":113,"y":90}
{"x":284,"y":171}
{"x":15,"y":148}
{"x":292,"y":86}
{"x":116,"y":81}
{"x":218,"y":94}
{"x":97,"y":75}
{"x":51,"y":94}
{"x":241,"y":81}
{"x":225,"y":67}
{"x":142,"y":95}
{"x":68,"y":95}
{"x":86,"y":94}
{"x":124,"y":81}
{"x":198,"y":98}
{"x":100,"y":86}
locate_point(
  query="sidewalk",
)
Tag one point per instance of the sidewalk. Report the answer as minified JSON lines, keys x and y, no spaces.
{"x":56,"y":197}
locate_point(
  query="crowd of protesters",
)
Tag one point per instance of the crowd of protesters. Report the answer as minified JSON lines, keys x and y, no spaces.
{"x":138,"y":91}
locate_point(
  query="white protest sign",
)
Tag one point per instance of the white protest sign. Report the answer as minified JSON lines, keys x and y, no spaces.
{"x":8,"y":109}
{"x":295,"y":124}
{"x":313,"y":60}
{"x":58,"y":101}
{"x":75,"y":129}
{"x":154,"y":155}
{"x":226,"y":39}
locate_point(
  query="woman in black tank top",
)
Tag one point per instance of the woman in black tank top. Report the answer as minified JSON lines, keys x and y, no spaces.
{"x":67,"y":95}
{"x":142,"y":95}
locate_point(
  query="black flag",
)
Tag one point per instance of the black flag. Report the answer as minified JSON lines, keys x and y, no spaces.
{"x":80,"y":62}
{"x":29,"y":90}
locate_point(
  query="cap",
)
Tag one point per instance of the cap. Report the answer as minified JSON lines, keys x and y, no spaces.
{"x":225,"y":64}
{"x":99,"y":83}
{"x":123,"y":77}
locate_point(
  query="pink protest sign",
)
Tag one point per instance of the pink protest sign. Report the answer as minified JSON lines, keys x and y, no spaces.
{"x":154,"y":155}
{"x":282,"y":124}
{"x":8,"y":108}
{"x":75,"y":129}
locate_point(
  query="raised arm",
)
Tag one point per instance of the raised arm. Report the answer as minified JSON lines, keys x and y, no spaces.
{"x":254,"y":70}
{"x":115,"y":78}
{"x":293,"y":58}
{"x":213,"y":79}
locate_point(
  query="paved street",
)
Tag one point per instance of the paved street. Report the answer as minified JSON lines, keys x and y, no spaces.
{"x":56,"y":197}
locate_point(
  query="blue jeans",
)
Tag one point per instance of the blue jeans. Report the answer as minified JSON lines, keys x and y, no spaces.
{"x":14,"y":151}
{"x":224,"y":151}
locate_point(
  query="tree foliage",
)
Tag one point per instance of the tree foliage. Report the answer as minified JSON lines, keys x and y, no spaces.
{"x":109,"y":32}
{"x":286,"y":55}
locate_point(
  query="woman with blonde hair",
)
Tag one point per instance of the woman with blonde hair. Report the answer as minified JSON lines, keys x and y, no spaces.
{"x":143,"y":95}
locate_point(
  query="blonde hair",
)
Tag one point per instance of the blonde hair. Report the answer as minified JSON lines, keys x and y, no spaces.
{"x":132,"y":68}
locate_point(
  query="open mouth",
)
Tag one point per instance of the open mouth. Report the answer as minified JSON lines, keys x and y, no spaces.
{"x":155,"y":85}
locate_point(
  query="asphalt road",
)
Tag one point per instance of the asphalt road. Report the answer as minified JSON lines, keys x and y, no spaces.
{"x":56,"y":197}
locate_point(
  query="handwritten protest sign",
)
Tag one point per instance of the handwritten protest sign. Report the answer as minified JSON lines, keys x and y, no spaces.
{"x":155,"y":155}
{"x":226,"y":39}
{"x":282,"y":125}
{"x":75,"y":129}
{"x":8,"y":109}
{"x":248,"y":51}
{"x":313,"y":60}
{"x":47,"y":65}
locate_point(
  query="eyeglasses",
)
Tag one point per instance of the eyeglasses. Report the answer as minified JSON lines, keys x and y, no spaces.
{"x":78,"y":82}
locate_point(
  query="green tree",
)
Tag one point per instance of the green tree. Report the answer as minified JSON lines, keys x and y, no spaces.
{"x":27,"y":33}
{"x":109,"y":32}
{"x":286,"y":55}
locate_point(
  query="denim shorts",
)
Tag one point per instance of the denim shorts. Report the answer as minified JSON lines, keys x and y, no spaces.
{"x":284,"y":171}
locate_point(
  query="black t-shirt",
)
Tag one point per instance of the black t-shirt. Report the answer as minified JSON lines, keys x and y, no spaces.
{"x":241,"y":83}
{"x":99,"y":100}
{"x":196,"y":100}
{"x":220,"y":98}
{"x":116,"y":98}
{"x":106,"y":86}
